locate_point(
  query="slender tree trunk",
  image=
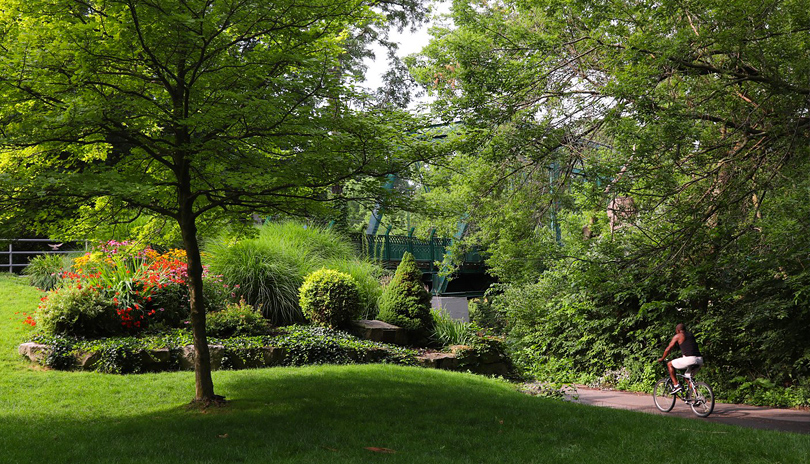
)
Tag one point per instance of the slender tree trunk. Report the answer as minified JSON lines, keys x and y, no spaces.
{"x":204,"y":384}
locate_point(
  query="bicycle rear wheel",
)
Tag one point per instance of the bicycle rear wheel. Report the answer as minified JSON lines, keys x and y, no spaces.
{"x":703,"y":401}
{"x":662,"y":395}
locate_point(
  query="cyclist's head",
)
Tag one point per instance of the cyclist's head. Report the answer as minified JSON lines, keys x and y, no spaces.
{"x":680,"y":328}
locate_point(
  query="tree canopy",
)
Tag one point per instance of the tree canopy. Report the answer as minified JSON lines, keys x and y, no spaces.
{"x":632,"y":164}
{"x":183,"y":108}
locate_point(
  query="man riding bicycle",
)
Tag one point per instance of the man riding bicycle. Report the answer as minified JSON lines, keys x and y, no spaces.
{"x":690,"y":354}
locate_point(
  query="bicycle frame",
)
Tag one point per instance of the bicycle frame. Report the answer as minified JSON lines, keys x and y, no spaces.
{"x":688,"y":391}
{"x":698,"y":395}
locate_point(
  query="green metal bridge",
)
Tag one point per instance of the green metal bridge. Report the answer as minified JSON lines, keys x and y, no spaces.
{"x":469,"y":279}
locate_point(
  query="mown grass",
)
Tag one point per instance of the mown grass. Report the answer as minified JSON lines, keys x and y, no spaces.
{"x":331,"y":414}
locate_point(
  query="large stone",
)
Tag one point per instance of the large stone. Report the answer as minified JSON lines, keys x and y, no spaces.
{"x":87,"y":360}
{"x":379,"y":331}
{"x":494,"y":369}
{"x":188,"y":356}
{"x":273,"y":356}
{"x":447,"y":361}
{"x":35,"y":352}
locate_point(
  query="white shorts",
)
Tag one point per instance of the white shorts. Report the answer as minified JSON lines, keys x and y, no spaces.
{"x":685,"y":361}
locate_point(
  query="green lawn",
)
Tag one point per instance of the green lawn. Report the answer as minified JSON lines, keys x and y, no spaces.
{"x":331,"y":414}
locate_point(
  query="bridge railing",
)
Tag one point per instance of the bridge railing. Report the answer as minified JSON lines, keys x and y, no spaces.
{"x":391,"y":248}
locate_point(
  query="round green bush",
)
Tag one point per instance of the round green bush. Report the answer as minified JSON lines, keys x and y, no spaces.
{"x":239,"y":319}
{"x":405,"y":302}
{"x":79,"y":311}
{"x":330,"y":298}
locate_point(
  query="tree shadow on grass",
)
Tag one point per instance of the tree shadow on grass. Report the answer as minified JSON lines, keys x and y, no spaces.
{"x":333,"y":414}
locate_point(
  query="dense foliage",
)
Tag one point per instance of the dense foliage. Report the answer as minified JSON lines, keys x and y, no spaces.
{"x":330,"y":298}
{"x":270,"y":267}
{"x":629,"y":166}
{"x":405,"y":302}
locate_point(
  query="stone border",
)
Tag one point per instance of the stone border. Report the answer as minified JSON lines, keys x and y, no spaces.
{"x":464,"y":358}
{"x":163,"y":359}
{"x":461,"y":358}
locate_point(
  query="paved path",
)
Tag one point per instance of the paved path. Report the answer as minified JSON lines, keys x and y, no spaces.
{"x":786,"y":420}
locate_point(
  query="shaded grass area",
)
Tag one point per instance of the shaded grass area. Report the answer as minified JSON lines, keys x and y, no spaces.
{"x":330,"y":414}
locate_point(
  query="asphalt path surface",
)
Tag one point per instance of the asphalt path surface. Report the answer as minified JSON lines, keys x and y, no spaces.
{"x":786,"y":420}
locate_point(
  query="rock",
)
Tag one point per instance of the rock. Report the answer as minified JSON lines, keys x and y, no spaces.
{"x":491,"y":357}
{"x":379,"y":331}
{"x":455,"y":349}
{"x":447,"y":361}
{"x":188,"y":354}
{"x":86,"y":360}
{"x":35,"y":352}
{"x":273,"y":356}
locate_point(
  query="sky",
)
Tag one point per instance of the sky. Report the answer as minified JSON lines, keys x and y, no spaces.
{"x":409,"y":43}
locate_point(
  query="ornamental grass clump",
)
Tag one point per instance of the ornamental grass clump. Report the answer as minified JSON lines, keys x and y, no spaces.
{"x":448,"y":331}
{"x":405,"y":302}
{"x":45,"y":271}
{"x":330,"y":298}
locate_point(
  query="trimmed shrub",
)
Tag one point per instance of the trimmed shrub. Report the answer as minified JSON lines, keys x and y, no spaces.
{"x":45,"y":271}
{"x":330,"y":298}
{"x":79,"y":311}
{"x":239,"y":319}
{"x":404,"y":301}
{"x":367,"y":276}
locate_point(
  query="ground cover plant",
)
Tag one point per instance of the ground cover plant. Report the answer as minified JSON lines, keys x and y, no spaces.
{"x":302,"y":345}
{"x":329,"y":414}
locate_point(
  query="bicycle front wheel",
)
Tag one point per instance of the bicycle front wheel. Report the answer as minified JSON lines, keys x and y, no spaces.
{"x":703,"y":401}
{"x":662,"y":395}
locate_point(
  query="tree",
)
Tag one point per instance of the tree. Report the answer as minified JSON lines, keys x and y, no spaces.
{"x":405,"y":302}
{"x":184,"y":108}
{"x":697,"y":111}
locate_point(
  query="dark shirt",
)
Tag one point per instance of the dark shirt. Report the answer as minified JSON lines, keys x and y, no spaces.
{"x":689,"y":346}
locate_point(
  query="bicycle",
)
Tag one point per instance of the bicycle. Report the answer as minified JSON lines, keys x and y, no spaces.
{"x":698,"y":395}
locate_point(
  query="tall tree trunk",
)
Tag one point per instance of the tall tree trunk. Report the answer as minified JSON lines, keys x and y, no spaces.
{"x":202,"y":360}
{"x":204,"y":384}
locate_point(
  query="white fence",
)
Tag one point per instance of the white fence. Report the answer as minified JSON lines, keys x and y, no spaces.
{"x":53,"y":247}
